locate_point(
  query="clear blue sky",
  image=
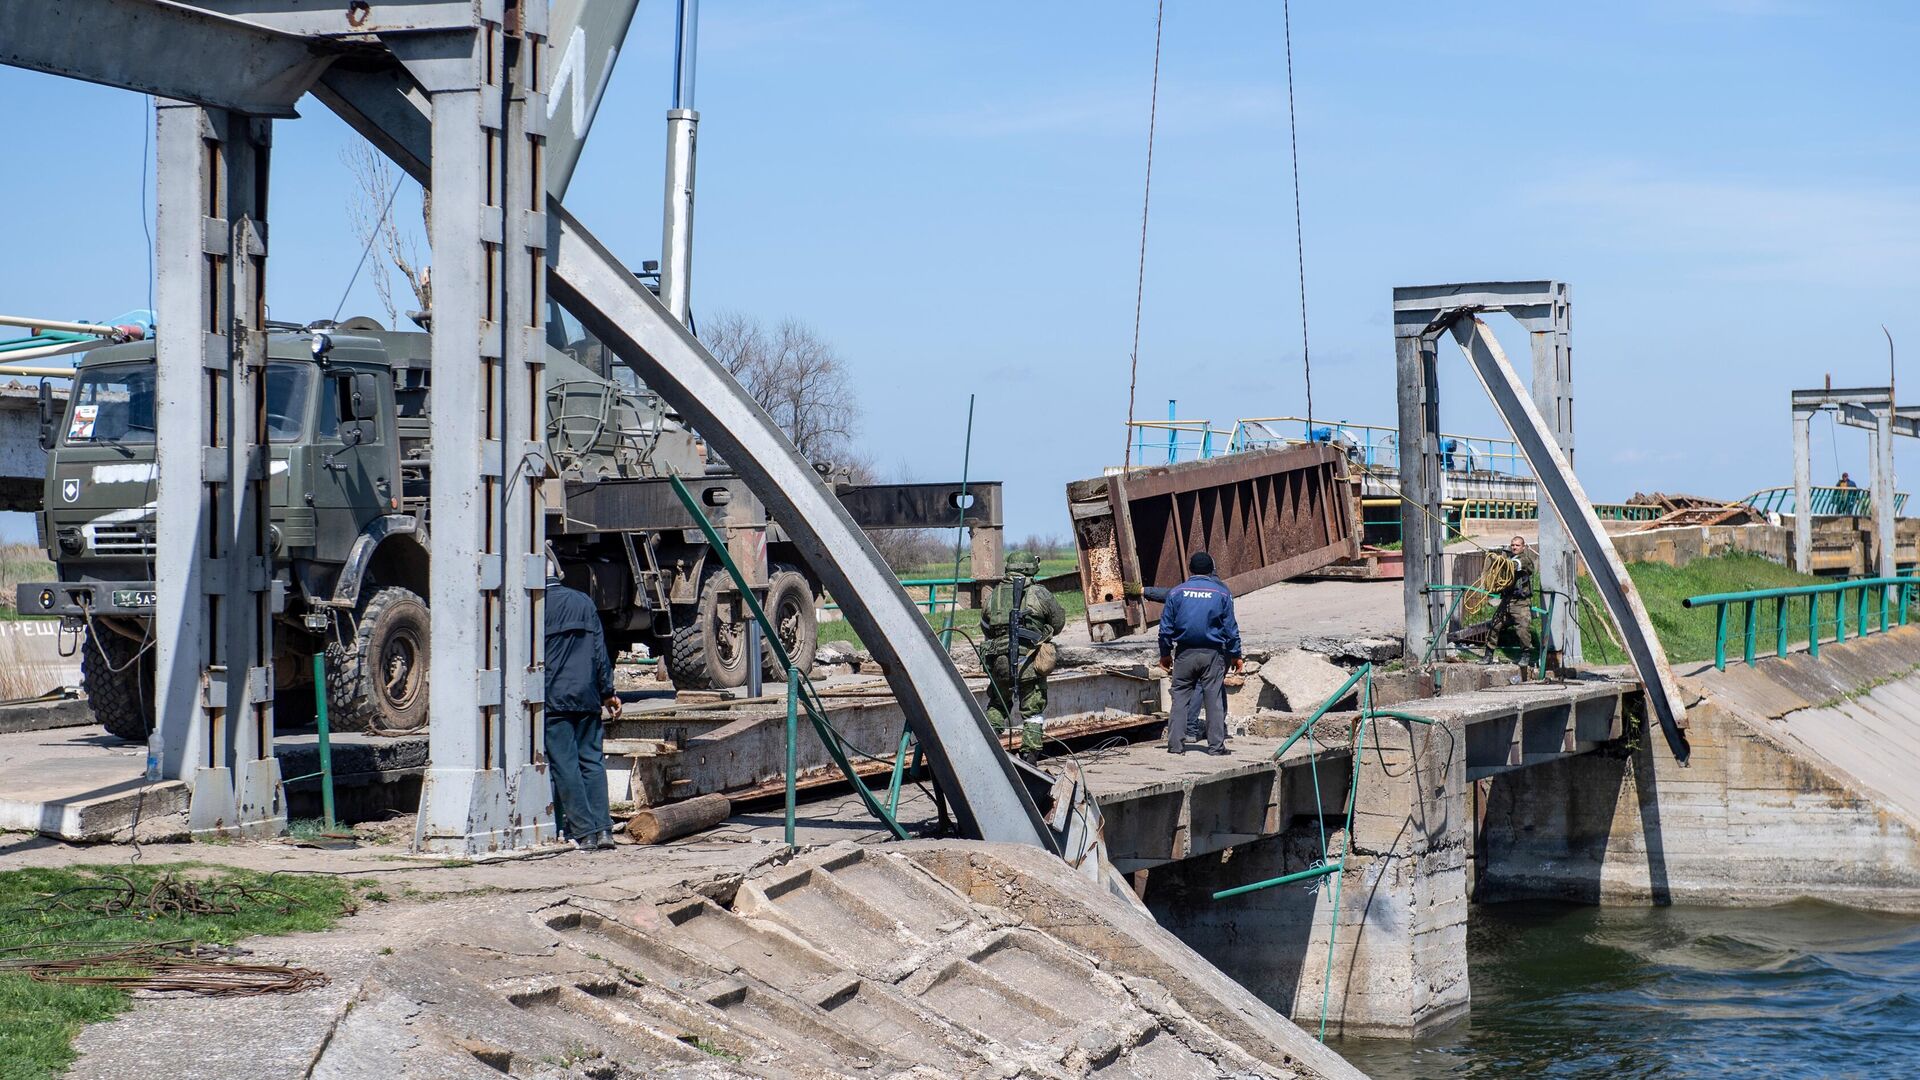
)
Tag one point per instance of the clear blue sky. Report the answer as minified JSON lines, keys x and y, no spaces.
{"x":951,"y":195}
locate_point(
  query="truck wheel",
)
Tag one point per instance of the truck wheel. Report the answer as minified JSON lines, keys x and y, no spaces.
{"x":379,"y":685}
{"x":119,"y":685}
{"x":790,"y":609}
{"x":709,"y":645}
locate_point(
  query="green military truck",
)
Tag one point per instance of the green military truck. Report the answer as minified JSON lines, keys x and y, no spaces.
{"x":350,"y":473}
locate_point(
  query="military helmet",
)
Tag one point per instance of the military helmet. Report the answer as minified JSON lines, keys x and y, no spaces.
{"x":1024,"y":563}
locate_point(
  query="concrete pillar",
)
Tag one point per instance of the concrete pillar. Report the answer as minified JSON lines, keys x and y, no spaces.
{"x":1553,"y":395}
{"x":1398,"y":939}
{"x":1802,"y":494}
{"x":1883,"y":496}
{"x":1423,"y":538}
{"x":213,"y":621}
{"x":485,"y":788}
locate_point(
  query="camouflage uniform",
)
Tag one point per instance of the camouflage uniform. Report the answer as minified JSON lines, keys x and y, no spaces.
{"x":1039,"y":619}
{"x":1516,"y":610}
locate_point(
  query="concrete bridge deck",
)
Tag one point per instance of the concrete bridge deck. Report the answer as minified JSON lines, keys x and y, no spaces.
{"x":1160,"y":808}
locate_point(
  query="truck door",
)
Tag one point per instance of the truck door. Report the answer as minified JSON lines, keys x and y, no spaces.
{"x":356,"y":471}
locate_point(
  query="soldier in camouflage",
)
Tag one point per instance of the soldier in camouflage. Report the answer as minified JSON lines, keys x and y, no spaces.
{"x":1019,"y":621}
{"x":1516,"y":603}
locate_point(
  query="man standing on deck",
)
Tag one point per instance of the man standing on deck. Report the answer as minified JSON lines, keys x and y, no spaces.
{"x":1019,"y":621}
{"x":1199,"y":641}
{"x":1516,"y":604}
{"x":579,"y":686}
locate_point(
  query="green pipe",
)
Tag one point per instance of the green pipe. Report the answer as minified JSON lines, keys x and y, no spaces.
{"x":1861,"y":615}
{"x":793,"y":751}
{"x":1790,"y":590}
{"x":899,"y":770}
{"x":817,"y":715}
{"x":1752,"y":630}
{"x":1813,"y":625}
{"x":326,"y":744}
{"x":1286,"y":879}
{"x":1363,"y":671}
{"x":1719,"y":637}
{"x":1780,"y":627}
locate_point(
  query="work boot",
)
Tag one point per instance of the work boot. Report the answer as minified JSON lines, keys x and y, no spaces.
{"x":1218,"y":751}
{"x":604,"y":841}
{"x":1030,"y":756}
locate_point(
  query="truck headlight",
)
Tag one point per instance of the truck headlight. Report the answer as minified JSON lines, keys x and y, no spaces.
{"x":71,"y":542}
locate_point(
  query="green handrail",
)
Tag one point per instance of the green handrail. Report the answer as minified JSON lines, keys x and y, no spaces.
{"x":815,"y":712}
{"x":1894,"y":595}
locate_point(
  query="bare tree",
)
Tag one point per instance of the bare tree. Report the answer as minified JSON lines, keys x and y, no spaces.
{"x":370,"y":209}
{"x":795,"y":375}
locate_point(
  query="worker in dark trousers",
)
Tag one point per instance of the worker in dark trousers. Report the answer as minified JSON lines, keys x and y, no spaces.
{"x":1199,"y":641}
{"x":579,"y":687}
{"x":1516,"y":602}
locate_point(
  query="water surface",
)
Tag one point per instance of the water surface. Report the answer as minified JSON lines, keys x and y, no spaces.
{"x":1800,"y":990}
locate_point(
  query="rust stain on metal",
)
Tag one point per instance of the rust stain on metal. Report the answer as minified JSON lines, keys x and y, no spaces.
{"x":1265,"y":516}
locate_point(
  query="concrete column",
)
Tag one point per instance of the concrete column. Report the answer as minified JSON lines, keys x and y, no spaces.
{"x":1399,"y":936}
{"x":1423,"y":540}
{"x":1802,"y":494}
{"x":1553,"y":395}
{"x":1883,"y":496}
{"x":213,"y":569}
{"x":484,"y":789}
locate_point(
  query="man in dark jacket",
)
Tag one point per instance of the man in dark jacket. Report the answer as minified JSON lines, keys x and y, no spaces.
{"x":1199,"y":640}
{"x":579,"y":686}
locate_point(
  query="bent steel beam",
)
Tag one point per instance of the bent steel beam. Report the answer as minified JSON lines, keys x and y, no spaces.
{"x":976,"y":774}
{"x":167,"y":49}
{"x":988,"y":798}
{"x":1570,"y":502}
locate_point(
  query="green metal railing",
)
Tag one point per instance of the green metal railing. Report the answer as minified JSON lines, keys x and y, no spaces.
{"x":1825,"y":501}
{"x":1848,"y":596}
{"x":932,"y":585}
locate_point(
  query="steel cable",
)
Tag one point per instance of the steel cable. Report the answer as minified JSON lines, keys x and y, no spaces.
{"x":1146,"y":201}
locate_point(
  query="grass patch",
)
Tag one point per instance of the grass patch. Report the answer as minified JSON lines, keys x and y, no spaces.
{"x":19,"y":564}
{"x":965,"y":620}
{"x":47,"y":907}
{"x":1049,"y":566}
{"x":1687,"y":635}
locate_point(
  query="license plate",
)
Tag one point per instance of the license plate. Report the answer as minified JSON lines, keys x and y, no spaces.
{"x":133,"y":598}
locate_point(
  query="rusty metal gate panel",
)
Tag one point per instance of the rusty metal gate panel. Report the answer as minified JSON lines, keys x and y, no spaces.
{"x":1264,"y":515}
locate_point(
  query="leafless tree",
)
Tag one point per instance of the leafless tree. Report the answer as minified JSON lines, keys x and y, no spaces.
{"x":1049,"y":546}
{"x":370,"y":209}
{"x":795,"y":375}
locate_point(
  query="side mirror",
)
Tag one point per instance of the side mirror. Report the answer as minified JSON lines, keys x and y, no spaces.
{"x":49,"y":423}
{"x":355,"y":432}
{"x":363,"y":396}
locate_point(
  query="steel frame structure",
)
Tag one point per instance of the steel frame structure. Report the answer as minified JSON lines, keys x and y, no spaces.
{"x":1454,"y":310}
{"x":1544,"y":310}
{"x":1869,"y":407}
{"x":454,"y":91}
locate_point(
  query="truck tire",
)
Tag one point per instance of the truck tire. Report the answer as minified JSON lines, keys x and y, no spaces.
{"x":379,"y":684}
{"x":791,"y":611}
{"x":708,"y":644}
{"x":119,"y":685}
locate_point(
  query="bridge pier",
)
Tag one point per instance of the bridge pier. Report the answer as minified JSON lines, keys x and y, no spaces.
{"x":1399,"y":935}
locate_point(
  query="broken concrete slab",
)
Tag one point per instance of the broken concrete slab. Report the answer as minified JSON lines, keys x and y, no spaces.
{"x":1357,"y":650}
{"x":1299,"y":681}
{"x":45,"y":715}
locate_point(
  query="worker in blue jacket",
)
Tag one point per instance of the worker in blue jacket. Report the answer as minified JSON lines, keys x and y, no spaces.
{"x":1199,"y":641}
{"x":579,"y":687}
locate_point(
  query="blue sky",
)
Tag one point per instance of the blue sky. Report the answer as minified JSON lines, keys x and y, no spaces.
{"x":951,"y":195}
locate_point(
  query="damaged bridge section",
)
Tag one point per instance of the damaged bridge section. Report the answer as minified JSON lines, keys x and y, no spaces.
{"x":1264,"y":515}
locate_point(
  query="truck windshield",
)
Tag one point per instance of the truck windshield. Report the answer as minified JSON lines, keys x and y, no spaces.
{"x":114,"y":403}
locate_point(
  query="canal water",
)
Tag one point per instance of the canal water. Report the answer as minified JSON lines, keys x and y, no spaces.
{"x":1799,"y":990}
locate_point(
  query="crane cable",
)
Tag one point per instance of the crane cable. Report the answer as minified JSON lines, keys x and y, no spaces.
{"x":1299,"y":237}
{"x":1146,"y":201}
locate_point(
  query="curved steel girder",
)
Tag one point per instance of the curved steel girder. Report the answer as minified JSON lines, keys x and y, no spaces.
{"x":157,"y":47}
{"x":977,"y":775}
{"x":1571,"y":505}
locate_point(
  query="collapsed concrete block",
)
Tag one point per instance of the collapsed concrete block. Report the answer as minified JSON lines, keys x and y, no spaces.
{"x":1298,"y":681}
{"x":1366,"y":650}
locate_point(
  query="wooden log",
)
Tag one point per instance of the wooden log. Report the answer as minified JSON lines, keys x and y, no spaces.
{"x":659,"y":824}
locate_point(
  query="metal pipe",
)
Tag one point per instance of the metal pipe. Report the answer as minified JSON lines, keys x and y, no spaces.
{"x":26,"y":372}
{"x":1793,"y":590}
{"x":683,"y":123}
{"x":793,"y":740}
{"x":96,"y":329}
{"x":326,"y":743}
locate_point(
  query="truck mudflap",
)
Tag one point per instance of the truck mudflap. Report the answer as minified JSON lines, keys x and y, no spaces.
{"x":79,"y":598}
